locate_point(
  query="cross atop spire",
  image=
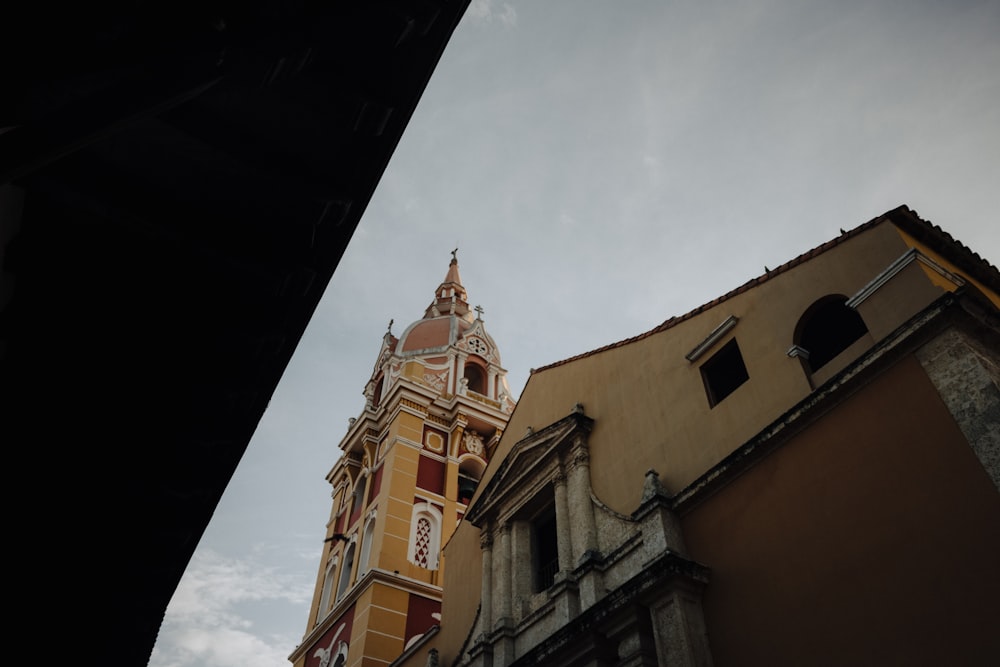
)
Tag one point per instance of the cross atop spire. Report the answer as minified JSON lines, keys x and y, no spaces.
{"x":450,"y":296}
{"x":479,"y":312}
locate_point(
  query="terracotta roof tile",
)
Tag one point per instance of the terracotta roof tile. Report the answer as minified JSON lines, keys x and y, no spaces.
{"x":903,"y":216}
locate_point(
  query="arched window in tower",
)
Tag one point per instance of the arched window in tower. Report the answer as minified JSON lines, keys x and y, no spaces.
{"x":328,"y":580}
{"x":425,"y":536}
{"x":827,"y":328}
{"x":345,"y":572}
{"x":366,"y":544}
{"x":475,"y":377}
{"x":358,"y":499}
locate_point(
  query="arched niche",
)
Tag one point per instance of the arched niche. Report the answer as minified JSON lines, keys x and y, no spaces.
{"x":827,"y":328}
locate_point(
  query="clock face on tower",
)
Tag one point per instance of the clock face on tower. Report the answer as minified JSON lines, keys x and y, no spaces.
{"x":478,"y":346}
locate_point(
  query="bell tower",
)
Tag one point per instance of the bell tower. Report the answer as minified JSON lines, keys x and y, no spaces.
{"x":435,"y":407}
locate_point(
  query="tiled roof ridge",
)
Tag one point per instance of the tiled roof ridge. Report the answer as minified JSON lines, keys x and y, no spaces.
{"x":940,"y":240}
{"x":902,"y":215}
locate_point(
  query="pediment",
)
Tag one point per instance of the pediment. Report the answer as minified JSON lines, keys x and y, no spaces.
{"x":386,"y":350}
{"x":530,"y":462}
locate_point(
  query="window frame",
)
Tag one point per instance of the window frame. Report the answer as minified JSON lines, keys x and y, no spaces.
{"x":719,"y":379}
{"x":434,"y":517}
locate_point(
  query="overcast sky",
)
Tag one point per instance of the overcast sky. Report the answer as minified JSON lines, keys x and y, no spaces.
{"x":601,"y":166}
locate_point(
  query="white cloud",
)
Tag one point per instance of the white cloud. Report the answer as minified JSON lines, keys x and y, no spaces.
{"x":483,"y":11}
{"x":211,"y":621}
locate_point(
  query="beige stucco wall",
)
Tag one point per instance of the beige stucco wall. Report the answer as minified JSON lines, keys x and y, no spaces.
{"x":649,"y":402}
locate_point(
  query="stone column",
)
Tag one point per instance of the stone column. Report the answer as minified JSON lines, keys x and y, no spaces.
{"x":584,"y":533}
{"x":521,"y":568}
{"x":491,"y":384}
{"x":503,"y":634}
{"x":486,"y":600}
{"x":590,"y":580}
{"x":567,"y":598}
{"x":563,"y":523}
{"x":459,"y":370}
{"x":502,"y":582}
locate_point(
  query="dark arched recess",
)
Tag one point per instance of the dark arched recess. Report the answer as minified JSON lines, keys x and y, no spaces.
{"x":827,"y":328}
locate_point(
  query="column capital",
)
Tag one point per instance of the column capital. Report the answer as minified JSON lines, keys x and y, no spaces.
{"x":485,"y":539}
{"x":579,"y":456}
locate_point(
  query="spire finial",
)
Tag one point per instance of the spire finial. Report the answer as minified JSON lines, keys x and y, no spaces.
{"x":479,"y":312}
{"x":454,"y":255}
{"x":388,"y":329}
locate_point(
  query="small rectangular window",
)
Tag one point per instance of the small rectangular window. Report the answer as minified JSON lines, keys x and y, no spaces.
{"x":724,"y":372}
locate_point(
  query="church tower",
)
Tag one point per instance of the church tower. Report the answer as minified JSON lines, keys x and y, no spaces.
{"x":435,"y":407}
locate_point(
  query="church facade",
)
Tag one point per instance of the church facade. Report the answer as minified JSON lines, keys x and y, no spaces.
{"x":805,"y":470}
{"x":436,"y":406}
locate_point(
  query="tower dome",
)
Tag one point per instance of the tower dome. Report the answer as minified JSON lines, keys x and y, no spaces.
{"x":455,"y":353}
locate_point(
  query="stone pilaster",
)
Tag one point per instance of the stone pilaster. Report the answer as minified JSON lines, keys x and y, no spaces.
{"x":679,"y":631}
{"x":502,"y":583}
{"x":503,"y":626}
{"x":583,"y":532}
{"x":966,"y":376}
{"x":563,"y":523}
{"x":521,"y":569}
{"x":661,"y":530}
{"x":486,"y":599}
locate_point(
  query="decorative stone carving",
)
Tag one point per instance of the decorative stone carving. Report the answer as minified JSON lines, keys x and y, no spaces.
{"x":473,"y":442}
{"x":477,"y":346}
{"x":435,"y":380}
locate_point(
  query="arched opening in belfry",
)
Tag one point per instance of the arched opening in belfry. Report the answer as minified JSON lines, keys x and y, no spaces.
{"x":470,"y":471}
{"x":476,"y":378}
{"x":827,"y":328}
